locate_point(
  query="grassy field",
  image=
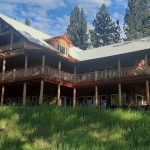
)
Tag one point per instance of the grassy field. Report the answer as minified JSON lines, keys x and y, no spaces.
{"x":45,"y":128}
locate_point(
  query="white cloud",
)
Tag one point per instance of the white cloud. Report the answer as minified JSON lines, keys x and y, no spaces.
{"x":91,"y":6}
{"x":52,"y":26}
{"x":7,"y":8}
{"x":42,"y":3}
{"x":122,"y":3}
{"x":117,"y":16}
{"x":38,"y":12}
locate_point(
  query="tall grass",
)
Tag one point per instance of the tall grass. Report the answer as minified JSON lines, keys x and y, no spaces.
{"x":45,"y":128}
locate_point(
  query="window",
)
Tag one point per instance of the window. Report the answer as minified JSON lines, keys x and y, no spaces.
{"x":62,"y":49}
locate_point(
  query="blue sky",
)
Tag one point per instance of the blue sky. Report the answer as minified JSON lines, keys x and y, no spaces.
{"x":52,"y":16}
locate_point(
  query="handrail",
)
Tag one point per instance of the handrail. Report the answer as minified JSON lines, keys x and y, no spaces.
{"x":62,"y":75}
{"x":36,"y":71}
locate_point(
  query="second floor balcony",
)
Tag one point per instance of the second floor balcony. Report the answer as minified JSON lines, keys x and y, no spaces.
{"x":55,"y":74}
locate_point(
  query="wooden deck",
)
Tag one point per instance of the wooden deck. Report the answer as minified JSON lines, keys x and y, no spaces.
{"x":21,"y":74}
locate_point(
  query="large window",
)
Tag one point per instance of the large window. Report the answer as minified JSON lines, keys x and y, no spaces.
{"x":63,"y":50}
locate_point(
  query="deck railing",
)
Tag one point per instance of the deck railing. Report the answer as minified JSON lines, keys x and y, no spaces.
{"x":109,"y":74}
{"x":85,"y":77}
{"x":36,"y":71}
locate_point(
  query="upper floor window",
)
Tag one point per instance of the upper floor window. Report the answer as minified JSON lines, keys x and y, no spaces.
{"x":63,"y":50}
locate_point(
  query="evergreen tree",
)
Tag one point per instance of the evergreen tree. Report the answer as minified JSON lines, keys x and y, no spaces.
{"x":77,"y":29}
{"x":145,"y":15}
{"x":117,"y":32}
{"x":27,"y":22}
{"x":105,"y":31}
{"x":136,"y":13}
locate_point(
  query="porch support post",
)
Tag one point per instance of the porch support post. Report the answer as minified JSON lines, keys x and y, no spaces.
{"x":96,"y":95}
{"x":2,"y":94}
{"x":41,"y":93}
{"x":120,"y":94}
{"x":58,"y":96}
{"x":119,"y":68}
{"x":43,"y":63}
{"x":59,"y":69}
{"x":74,"y":89}
{"x":147,"y":93}
{"x":3,"y":69}
{"x":25,"y":65}
{"x":24,"y":93}
{"x":11,"y":40}
{"x":74,"y":97}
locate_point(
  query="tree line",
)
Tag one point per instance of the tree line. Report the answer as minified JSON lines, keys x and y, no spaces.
{"x":105,"y":30}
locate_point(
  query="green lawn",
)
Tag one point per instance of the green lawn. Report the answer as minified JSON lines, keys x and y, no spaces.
{"x":44,"y":128}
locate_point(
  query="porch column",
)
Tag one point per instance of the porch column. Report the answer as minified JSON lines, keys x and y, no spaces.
{"x":147,"y":92}
{"x":74,"y":97}
{"x":11,"y":40}
{"x":74,"y":89}
{"x":119,"y":68}
{"x":25,"y":65}
{"x":41,"y":93}
{"x":58,"y":96}
{"x":96,"y":95}
{"x":24,"y":93}
{"x":43,"y":63}
{"x":120,"y":94}
{"x":2,"y":94}
{"x":59,"y":69}
{"x":3,"y":69}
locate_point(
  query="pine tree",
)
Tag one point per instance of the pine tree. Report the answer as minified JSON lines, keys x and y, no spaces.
{"x":77,"y":29}
{"x":117,"y":32}
{"x":105,"y":31}
{"x":27,"y":22}
{"x":145,"y":15}
{"x":136,"y":13}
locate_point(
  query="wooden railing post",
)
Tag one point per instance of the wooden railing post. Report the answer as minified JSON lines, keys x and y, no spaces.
{"x":96,"y":75}
{"x":3,"y":69}
{"x":146,"y":63}
{"x":120,"y":94}
{"x":25,"y":65}
{"x":119,"y":68}
{"x":59,"y":69}
{"x":75,"y":73}
{"x":43,"y":63}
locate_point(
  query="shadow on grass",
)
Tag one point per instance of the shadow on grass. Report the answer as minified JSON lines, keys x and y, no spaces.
{"x":80,"y":128}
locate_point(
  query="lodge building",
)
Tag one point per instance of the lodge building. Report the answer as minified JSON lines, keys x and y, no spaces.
{"x":38,"y":69}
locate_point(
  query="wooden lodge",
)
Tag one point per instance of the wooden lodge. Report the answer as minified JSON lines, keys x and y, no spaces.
{"x":38,"y":69}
